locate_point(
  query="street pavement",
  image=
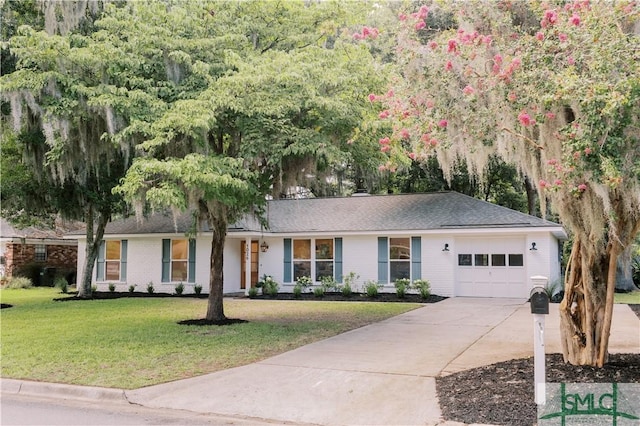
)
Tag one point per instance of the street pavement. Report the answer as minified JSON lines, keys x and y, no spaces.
{"x":381,"y":374}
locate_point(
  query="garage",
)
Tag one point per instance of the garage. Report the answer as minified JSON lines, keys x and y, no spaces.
{"x":488,"y":267}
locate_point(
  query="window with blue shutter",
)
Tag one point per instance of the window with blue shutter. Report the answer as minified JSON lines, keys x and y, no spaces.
{"x":123,"y":261}
{"x":416,"y":258}
{"x":100,"y":262}
{"x":166,"y":260}
{"x":287,"y":260}
{"x":383,"y":260}
{"x":338,"y":260}
{"x":192,"y":261}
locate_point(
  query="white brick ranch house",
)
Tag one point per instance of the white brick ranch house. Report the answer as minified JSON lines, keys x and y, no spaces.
{"x":463,"y":246}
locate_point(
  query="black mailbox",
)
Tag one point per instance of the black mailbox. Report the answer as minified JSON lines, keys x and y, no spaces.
{"x":539,"y":301}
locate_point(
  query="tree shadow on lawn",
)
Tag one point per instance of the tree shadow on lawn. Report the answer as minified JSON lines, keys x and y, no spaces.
{"x":201,"y":322}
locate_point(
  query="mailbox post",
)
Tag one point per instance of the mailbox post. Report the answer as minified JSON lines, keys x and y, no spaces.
{"x":539,"y":308}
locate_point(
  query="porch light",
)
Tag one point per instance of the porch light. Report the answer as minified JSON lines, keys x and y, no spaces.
{"x":446,"y":247}
{"x":533,"y":247}
{"x":264,"y":247}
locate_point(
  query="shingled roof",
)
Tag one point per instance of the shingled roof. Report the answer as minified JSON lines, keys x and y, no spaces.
{"x":374,"y":213}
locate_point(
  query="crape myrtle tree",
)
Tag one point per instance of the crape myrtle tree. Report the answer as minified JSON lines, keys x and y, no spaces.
{"x":262,"y":92}
{"x":553,"y":88}
{"x":60,"y":105}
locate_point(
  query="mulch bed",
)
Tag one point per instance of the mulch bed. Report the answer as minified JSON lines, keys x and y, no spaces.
{"x":355,"y":297}
{"x":503,"y":393}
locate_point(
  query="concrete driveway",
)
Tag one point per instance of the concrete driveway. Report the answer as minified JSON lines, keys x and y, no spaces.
{"x":381,"y":374}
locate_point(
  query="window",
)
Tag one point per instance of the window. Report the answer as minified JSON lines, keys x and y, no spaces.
{"x":516,"y":260}
{"x":40,"y":253}
{"x":324,"y":258}
{"x":498,"y":260}
{"x":316,"y":263}
{"x":481,"y":260}
{"x":399,"y":258}
{"x":112,"y":261}
{"x":179,"y":260}
{"x":464,"y":260}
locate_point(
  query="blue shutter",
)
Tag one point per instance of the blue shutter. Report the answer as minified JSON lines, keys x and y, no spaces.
{"x":123,"y":260}
{"x":287,"y":260}
{"x":192,"y":261}
{"x":416,"y":258}
{"x":383,"y":260}
{"x":337,"y":258}
{"x":100,"y":263}
{"x":166,"y":261}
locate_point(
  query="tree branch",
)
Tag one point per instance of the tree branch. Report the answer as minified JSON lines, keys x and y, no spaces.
{"x":525,"y":138}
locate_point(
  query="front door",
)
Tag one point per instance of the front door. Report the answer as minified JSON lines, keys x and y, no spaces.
{"x":254,"y":264}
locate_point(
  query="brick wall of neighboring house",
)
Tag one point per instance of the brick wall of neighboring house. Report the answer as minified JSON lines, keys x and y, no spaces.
{"x":18,"y":256}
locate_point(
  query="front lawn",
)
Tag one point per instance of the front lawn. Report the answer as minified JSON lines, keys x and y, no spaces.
{"x":134,"y":342}
{"x":632,"y":298}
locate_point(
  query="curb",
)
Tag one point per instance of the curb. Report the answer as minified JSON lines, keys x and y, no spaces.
{"x":56,"y":390}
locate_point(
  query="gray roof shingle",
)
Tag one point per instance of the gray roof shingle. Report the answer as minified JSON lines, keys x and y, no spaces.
{"x":429,"y":211}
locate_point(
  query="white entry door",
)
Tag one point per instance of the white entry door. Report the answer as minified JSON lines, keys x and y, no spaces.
{"x":490,"y":267}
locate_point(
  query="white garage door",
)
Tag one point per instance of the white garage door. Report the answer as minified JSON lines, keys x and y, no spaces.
{"x":490,"y":267}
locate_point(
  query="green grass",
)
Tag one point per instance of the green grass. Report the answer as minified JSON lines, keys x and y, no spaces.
{"x":632,"y":298}
{"x":133,"y":342}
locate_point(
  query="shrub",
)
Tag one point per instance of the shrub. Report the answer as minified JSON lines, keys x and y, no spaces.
{"x":423,"y":287}
{"x":19,"y":282}
{"x":349,"y":282}
{"x":94,"y":289}
{"x":112,"y":287}
{"x":150,"y":288}
{"x":304,"y":282}
{"x":371,"y":288}
{"x":269,"y":286}
{"x":402,"y":285}
{"x":179,"y":288}
{"x":132,"y":288}
{"x":297,"y":291}
{"x":318,"y":291}
{"x":62,"y":284}
{"x":328,"y":283}
{"x":197,"y":289}
{"x":253,"y":292}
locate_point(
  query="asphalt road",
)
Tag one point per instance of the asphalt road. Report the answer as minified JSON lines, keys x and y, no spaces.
{"x":28,"y":410}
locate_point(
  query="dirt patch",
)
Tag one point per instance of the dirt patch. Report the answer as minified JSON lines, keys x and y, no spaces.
{"x":5,"y":306}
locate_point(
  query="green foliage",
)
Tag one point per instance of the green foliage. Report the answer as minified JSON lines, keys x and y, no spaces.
{"x":372,"y":288}
{"x":297,"y":291}
{"x":423,"y":287}
{"x":150,"y":288}
{"x":328,"y":284}
{"x":318,"y":291}
{"x":112,"y":287}
{"x":269,"y":286}
{"x":132,"y":288}
{"x":19,"y":282}
{"x":62,"y":284}
{"x":346,"y":290}
{"x":253,"y":291}
{"x":179,"y":288}
{"x":197,"y":289}
{"x":402,"y":285}
{"x":305,"y":283}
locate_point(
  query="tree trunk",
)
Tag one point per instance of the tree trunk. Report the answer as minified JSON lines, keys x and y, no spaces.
{"x":91,"y":250}
{"x":215,"y":308}
{"x":583,"y":307}
{"x":531,"y":196}
{"x":624,"y":275}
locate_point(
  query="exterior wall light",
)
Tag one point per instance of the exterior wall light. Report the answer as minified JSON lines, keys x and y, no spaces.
{"x":264,"y":247}
{"x":446,"y":247}
{"x":533,"y":247}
